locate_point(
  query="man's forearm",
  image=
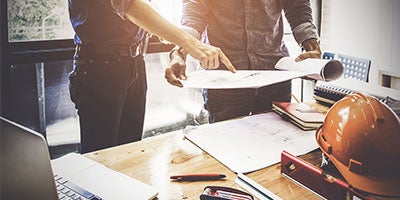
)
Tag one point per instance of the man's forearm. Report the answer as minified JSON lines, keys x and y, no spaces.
{"x":143,"y":15}
{"x":178,"y":51}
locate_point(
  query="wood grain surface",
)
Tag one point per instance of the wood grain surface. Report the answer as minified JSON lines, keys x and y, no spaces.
{"x":153,"y":160}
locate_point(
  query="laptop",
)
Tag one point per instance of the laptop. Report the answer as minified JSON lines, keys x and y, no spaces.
{"x":28,"y":173}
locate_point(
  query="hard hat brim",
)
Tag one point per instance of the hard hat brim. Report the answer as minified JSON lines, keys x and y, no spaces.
{"x":385,"y":186}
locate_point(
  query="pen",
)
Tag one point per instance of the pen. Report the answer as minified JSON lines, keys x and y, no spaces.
{"x":250,"y":75}
{"x":197,"y":177}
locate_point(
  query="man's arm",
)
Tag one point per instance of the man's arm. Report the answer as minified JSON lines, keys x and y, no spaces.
{"x":194,"y":17}
{"x":299,"y":15}
{"x":143,"y":15}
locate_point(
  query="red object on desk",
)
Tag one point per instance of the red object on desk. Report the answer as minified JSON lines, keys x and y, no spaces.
{"x":316,"y":179}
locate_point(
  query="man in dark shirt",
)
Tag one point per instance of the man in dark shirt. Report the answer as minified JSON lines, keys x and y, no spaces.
{"x":250,"y":33}
{"x":108,"y":82}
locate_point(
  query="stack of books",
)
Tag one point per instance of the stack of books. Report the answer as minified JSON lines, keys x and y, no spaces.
{"x":299,"y":114}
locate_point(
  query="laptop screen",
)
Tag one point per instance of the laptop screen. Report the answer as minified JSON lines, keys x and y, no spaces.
{"x":27,"y":172}
{"x":25,"y":164}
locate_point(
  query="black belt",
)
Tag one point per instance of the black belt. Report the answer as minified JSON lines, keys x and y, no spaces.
{"x":104,"y":49}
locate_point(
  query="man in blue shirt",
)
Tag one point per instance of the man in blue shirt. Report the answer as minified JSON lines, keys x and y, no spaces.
{"x":108,"y":82}
{"x":250,"y":33}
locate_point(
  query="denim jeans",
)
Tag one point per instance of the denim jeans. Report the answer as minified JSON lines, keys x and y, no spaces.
{"x":223,"y":104}
{"x":109,"y":92}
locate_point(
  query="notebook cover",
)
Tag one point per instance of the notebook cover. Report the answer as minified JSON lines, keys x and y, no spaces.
{"x":299,"y":112}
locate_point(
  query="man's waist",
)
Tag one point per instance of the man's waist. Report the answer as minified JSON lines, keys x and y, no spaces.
{"x":109,"y":49}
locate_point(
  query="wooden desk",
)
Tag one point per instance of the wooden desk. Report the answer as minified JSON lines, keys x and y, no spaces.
{"x":154,"y":159}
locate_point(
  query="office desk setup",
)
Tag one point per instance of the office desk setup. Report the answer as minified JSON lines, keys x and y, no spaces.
{"x":250,"y":145}
{"x":202,"y":150}
{"x":153,"y":160}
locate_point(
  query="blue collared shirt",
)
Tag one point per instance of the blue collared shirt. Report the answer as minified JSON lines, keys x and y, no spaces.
{"x":249,"y":32}
{"x":103,"y":22}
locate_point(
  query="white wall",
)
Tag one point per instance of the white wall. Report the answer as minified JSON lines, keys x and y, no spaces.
{"x":364,"y":28}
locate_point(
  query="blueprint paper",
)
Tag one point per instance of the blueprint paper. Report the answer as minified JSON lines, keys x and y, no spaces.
{"x":251,"y":143}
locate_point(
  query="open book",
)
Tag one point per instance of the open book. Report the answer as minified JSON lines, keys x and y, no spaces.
{"x":325,"y":70}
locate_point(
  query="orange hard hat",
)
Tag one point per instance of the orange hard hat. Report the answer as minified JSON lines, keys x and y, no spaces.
{"x":361,"y":136}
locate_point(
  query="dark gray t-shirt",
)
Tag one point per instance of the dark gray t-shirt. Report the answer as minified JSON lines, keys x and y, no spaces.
{"x":103,"y":22}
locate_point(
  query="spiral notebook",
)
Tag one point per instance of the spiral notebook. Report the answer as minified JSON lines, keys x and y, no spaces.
{"x":330,"y":93}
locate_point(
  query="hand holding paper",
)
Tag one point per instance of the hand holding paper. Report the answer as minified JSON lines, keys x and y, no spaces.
{"x":318,"y":69}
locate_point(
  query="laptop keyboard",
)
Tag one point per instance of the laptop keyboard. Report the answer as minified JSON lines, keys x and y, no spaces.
{"x":69,"y":191}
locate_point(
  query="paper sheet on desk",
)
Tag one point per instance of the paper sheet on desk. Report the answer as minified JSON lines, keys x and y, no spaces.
{"x":251,"y":143}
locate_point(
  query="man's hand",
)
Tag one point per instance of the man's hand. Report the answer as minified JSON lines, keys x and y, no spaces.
{"x":176,"y":69}
{"x":213,"y":62}
{"x":312,"y":50}
{"x":209,"y":56}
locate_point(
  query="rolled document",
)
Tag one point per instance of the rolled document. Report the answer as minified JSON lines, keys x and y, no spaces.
{"x":318,"y":69}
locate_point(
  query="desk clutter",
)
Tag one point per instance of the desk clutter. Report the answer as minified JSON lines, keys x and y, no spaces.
{"x":255,"y":157}
{"x":359,"y":127}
